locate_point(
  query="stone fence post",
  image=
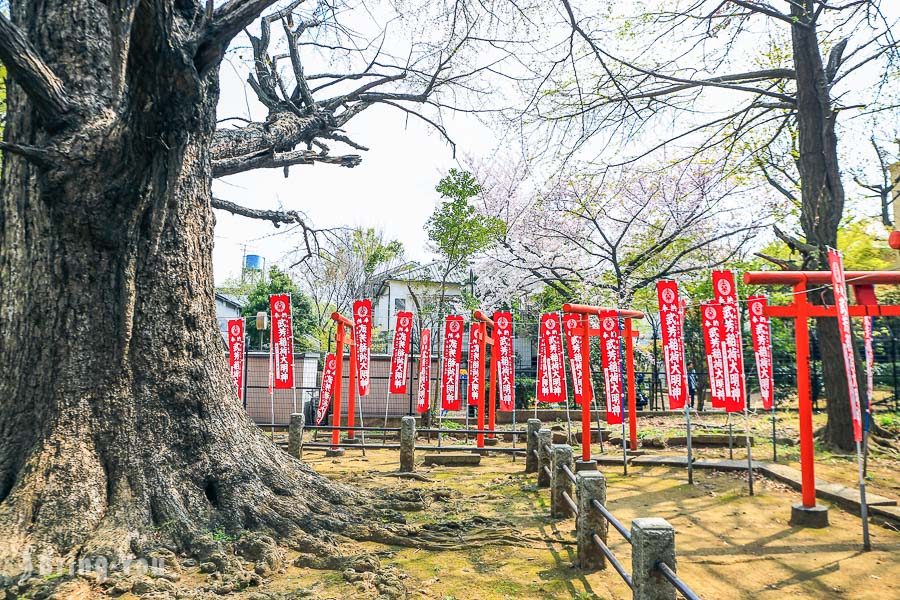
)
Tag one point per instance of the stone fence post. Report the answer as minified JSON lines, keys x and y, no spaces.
{"x":590,"y":485}
{"x":652,"y":542}
{"x":531,"y":444}
{"x":407,"y":444}
{"x":544,"y":438}
{"x":295,"y":436}
{"x":560,"y":456}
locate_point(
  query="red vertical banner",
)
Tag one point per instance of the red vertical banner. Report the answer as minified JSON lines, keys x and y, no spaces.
{"x":506,"y":375}
{"x":551,"y":371}
{"x":726,"y":294}
{"x":715,"y":351}
{"x":610,"y":342}
{"x":672,"y":342}
{"x":327,"y":388}
{"x":453,"y":335}
{"x":761,"y":332}
{"x":236,"y":354}
{"x":571,"y":322}
{"x":836,"y":264}
{"x":476,"y":362}
{"x":282,"y":341}
{"x":400,"y":353}
{"x":870,"y":368}
{"x":424,"y":390}
{"x":362,"y":337}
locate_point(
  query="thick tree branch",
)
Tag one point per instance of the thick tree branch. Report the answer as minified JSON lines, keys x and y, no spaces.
{"x":231,"y":166}
{"x":30,"y":72}
{"x":227,"y":21}
{"x":276,"y":216}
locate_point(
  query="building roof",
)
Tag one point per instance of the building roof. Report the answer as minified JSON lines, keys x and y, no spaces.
{"x":422,"y":273}
{"x":237,"y":302}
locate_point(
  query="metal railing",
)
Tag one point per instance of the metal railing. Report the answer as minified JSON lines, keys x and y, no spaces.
{"x":667,"y":572}
{"x":662,"y":568}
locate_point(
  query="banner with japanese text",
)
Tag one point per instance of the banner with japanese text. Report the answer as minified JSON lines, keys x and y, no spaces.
{"x":453,"y":336}
{"x":503,"y":337}
{"x":327,"y":387}
{"x":725,"y":293}
{"x":236,"y":354}
{"x":761,"y":331}
{"x":400,"y":353}
{"x":362,"y":338}
{"x":836,"y":264}
{"x":571,"y":324}
{"x":476,"y":361}
{"x":870,"y":369}
{"x":715,"y":351}
{"x":551,"y":370}
{"x":610,"y":353}
{"x":282,"y":341}
{"x":424,"y":390}
{"x":672,"y":342}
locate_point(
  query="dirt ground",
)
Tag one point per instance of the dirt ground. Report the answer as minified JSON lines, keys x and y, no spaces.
{"x":729,"y":545}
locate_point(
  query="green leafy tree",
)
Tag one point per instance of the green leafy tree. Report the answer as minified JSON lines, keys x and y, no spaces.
{"x":457,"y":230}
{"x":279,"y":282}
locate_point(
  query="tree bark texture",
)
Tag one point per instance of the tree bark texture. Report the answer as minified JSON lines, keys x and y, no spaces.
{"x":119,"y":427}
{"x":822,"y":197}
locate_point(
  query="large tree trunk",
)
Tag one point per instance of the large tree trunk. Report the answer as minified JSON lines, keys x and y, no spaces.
{"x":822,"y":196}
{"x":119,"y":427}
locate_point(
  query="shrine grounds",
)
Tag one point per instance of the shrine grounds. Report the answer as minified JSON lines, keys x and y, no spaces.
{"x":728,"y":544}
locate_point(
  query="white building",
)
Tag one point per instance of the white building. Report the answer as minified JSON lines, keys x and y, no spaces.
{"x":402,"y":287}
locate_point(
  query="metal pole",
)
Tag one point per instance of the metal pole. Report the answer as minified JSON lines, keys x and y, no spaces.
{"x":774,"y":447}
{"x":730,"y":439}
{"x":690,"y":453}
{"x":272,"y":382}
{"x":863,"y":507}
{"x":632,"y":391}
{"x":749,"y":447}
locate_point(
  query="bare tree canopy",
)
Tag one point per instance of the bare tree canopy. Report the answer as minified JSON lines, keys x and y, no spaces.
{"x":603,"y":238}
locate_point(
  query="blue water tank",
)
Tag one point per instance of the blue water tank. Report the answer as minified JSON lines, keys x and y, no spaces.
{"x":253,"y":261}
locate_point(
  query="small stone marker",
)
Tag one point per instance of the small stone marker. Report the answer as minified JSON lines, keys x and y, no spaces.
{"x":544,"y":436}
{"x":407,"y":444}
{"x":453,"y":460}
{"x":295,"y":436}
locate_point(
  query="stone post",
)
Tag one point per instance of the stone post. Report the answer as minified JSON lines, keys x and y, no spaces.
{"x":590,"y":485}
{"x":407,"y":444}
{"x":560,"y":456}
{"x":544,"y":438}
{"x":652,"y":541}
{"x":531,"y":459}
{"x":295,"y":436}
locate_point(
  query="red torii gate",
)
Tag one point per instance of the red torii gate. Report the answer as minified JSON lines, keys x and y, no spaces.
{"x":487,"y":340}
{"x":344,"y":335}
{"x":863,"y":283}
{"x":586,"y":331}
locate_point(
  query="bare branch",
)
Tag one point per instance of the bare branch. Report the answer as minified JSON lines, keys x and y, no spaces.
{"x":231,"y":166}
{"x":277,"y":217}
{"x":30,"y":72}
{"x":765,"y":9}
{"x":227,"y":21}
